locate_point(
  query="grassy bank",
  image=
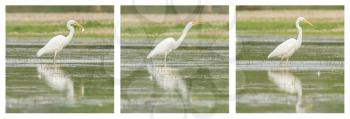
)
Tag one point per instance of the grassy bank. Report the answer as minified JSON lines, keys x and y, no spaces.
{"x":282,"y":22}
{"x":47,"y":25}
{"x":160,"y":26}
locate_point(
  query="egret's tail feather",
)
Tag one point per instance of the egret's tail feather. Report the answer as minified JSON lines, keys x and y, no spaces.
{"x":151,"y":54}
{"x":40,"y":52}
{"x":270,"y":56}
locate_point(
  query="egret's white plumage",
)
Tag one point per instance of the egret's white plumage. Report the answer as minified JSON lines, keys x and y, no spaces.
{"x":169,"y":44}
{"x":288,"y":47}
{"x":285,"y":49}
{"x":163,"y":47}
{"x":57,"y":43}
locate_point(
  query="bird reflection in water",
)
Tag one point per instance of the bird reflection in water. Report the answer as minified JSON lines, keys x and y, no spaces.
{"x":288,"y":83}
{"x":57,"y":80}
{"x":168,"y":79}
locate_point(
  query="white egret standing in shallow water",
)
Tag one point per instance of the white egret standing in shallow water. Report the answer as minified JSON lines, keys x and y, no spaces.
{"x":57,"y":43}
{"x":169,"y":44}
{"x":288,"y":47}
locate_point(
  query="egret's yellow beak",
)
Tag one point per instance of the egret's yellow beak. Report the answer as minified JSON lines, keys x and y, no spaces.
{"x":79,"y":25}
{"x":306,"y":21}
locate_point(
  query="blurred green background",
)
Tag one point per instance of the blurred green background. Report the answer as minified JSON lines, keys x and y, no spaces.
{"x":174,"y":9}
{"x":48,"y":21}
{"x":289,"y":7}
{"x":53,"y":9}
{"x":280,"y":20}
{"x":159,"y":22}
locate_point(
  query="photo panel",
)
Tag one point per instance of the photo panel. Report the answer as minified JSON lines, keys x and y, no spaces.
{"x":59,"y":59}
{"x":290,"y":59}
{"x":174,"y":59}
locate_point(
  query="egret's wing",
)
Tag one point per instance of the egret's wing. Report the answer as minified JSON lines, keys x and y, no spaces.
{"x":164,"y":46}
{"x":53,"y":44}
{"x":283,"y":48}
{"x":55,"y":41}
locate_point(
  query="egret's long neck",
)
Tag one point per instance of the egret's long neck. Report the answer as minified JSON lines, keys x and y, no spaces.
{"x":184,"y":33}
{"x":71,"y":32}
{"x":300,"y":32}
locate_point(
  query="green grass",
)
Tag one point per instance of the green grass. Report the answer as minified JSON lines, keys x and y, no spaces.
{"x":282,"y":22}
{"x":93,"y":29}
{"x":48,"y":25}
{"x":287,"y":27}
{"x":161,"y":26}
{"x":154,"y":31}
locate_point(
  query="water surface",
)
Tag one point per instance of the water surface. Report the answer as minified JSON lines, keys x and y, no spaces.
{"x":311,"y":82}
{"x":193,"y":80}
{"x":81,"y":81}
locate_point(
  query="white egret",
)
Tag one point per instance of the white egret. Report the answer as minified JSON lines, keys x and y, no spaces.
{"x":169,"y":44}
{"x":288,"y":47}
{"x":57,"y":43}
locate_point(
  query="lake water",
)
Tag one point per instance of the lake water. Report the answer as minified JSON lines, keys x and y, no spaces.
{"x":193,"y":80}
{"x":312,"y":81}
{"x":81,"y":81}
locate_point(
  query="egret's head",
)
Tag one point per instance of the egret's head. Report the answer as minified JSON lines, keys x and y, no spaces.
{"x":302,"y":19}
{"x":75,"y":24}
{"x":192,"y":23}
